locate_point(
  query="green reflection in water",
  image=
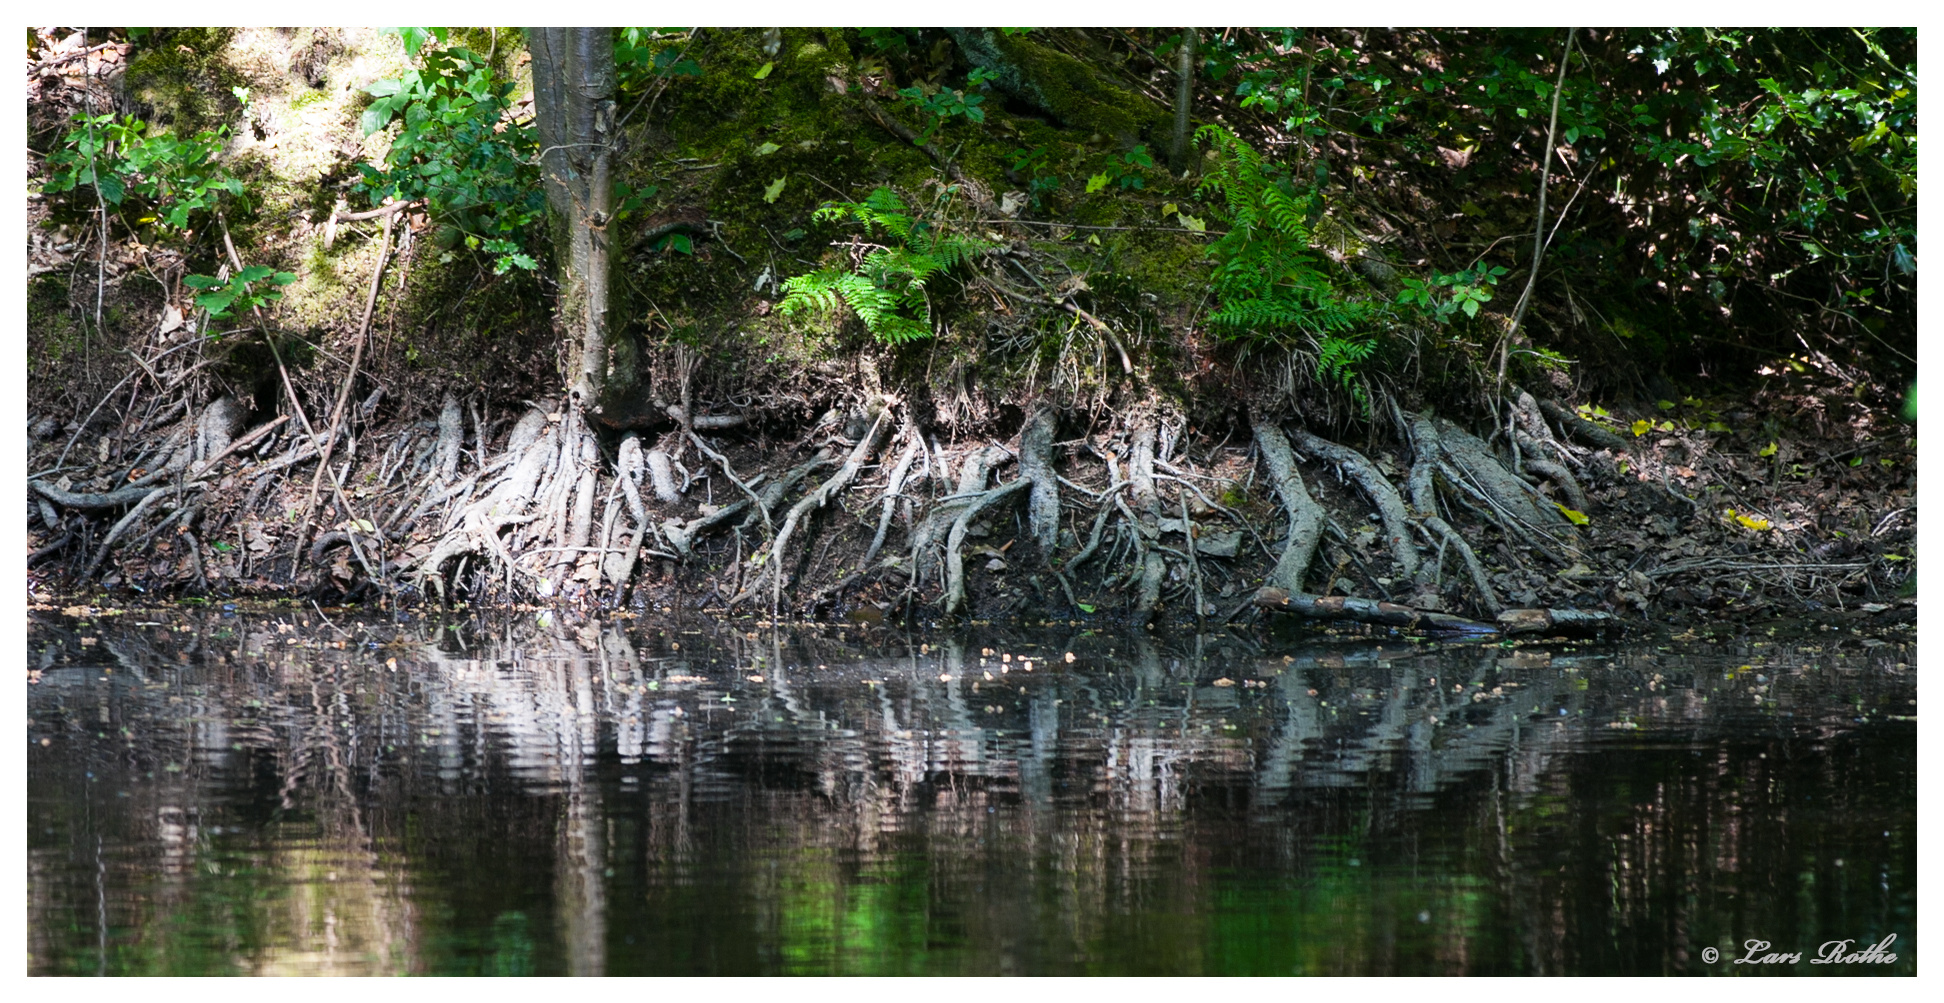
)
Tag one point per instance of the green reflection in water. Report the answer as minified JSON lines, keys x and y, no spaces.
{"x":213,"y":801}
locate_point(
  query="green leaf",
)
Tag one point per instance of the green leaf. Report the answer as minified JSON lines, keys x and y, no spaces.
{"x":1573,"y":516}
{"x":217,"y":303}
{"x":1470,"y":308}
{"x":414,"y":38}
{"x":1768,"y":450}
{"x":111,"y":189}
{"x":201,"y":281}
{"x":1097,"y":182}
{"x":382,"y":88}
{"x":764,"y":72}
{"x":284,"y":278}
{"x":775,"y":189}
{"x":766,"y":149}
{"x":1084,"y":607}
{"x":256,"y":273}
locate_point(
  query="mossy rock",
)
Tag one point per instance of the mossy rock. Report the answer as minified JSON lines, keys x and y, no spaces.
{"x":184,"y":78}
{"x":1067,"y":88}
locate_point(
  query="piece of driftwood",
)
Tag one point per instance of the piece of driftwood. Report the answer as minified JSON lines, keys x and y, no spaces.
{"x":1512,"y":621}
{"x":1369,"y":611}
{"x":1556,"y":621}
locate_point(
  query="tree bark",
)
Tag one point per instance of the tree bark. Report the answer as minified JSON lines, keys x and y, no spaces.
{"x":1184,"y":99}
{"x":573,"y":98}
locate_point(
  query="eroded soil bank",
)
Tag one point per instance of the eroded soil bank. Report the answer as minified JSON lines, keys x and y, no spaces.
{"x":1073,"y":437}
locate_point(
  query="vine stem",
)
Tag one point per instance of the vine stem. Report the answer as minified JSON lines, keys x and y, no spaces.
{"x":1539,"y":223}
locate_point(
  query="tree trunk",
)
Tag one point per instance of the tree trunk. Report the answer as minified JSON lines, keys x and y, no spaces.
{"x":1184,"y":99}
{"x":573,"y":99}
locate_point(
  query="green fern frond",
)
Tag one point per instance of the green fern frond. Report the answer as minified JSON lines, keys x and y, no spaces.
{"x":1337,"y":359}
{"x":886,"y":202}
{"x":887,"y":289}
{"x":1287,"y":212}
{"x":897,"y":330}
{"x":1269,"y":283}
{"x":816,"y":291}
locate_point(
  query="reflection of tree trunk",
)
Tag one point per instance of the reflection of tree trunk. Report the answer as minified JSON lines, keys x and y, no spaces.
{"x":1285,"y":752}
{"x":1036,"y":768}
{"x":580,"y":879}
{"x":580,"y":888}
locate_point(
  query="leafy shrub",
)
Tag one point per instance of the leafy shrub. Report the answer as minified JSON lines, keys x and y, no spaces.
{"x":1124,"y":171}
{"x":1036,"y":165}
{"x":943,"y":103}
{"x":1469,"y":290}
{"x":168,"y":178}
{"x":645,"y":54}
{"x":169,"y":182}
{"x":250,"y":288}
{"x":456,"y":149}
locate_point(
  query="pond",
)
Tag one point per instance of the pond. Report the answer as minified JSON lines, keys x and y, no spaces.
{"x":301,"y":791}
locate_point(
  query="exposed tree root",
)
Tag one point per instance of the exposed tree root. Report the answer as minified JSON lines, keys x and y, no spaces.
{"x":1305,"y":518}
{"x":1512,"y":621}
{"x":1155,"y":519}
{"x":915,"y":443}
{"x":955,"y":542}
{"x":925,"y":557}
{"x":1533,"y":447}
{"x":1423,"y":497}
{"x":1036,"y":464}
{"x":683,"y":534}
{"x":1510,"y":497}
{"x":1572,"y":622}
{"x":775,"y":569}
{"x":1383,"y":494}
{"x":1580,"y":428}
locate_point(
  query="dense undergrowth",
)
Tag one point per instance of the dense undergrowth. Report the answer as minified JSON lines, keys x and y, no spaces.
{"x":860,"y":273}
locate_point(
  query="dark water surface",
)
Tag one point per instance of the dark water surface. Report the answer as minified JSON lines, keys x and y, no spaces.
{"x":266,"y":793}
